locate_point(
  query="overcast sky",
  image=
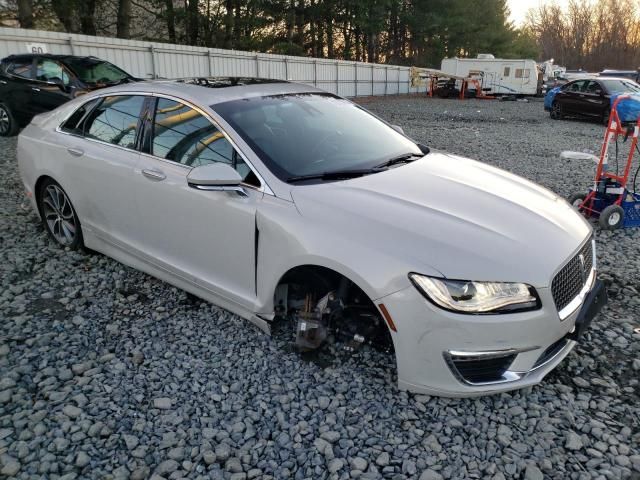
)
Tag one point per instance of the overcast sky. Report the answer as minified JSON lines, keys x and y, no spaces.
{"x":519,"y":8}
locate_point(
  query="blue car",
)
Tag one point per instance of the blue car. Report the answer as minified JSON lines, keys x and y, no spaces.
{"x":593,"y":98}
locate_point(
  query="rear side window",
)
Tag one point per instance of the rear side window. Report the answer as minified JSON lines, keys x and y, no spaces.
{"x":507,"y":71}
{"x":21,"y":68}
{"x":522,"y":72}
{"x":115,"y":120}
{"x":75,"y":123}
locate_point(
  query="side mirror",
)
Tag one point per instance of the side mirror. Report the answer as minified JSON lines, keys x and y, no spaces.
{"x":57,"y":82}
{"x":218,"y":177}
{"x":398,"y":129}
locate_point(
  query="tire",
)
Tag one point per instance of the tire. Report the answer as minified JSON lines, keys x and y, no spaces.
{"x":8,"y":125}
{"x":59,"y":218}
{"x":611,"y":217}
{"x":576,"y":199}
{"x":556,"y":111}
{"x":605,"y":116}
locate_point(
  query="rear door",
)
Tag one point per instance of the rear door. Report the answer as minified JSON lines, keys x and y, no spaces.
{"x":100,"y":151}
{"x":53,"y":86}
{"x":595,"y":102}
{"x":573,"y":98}
{"x":18,"y":87}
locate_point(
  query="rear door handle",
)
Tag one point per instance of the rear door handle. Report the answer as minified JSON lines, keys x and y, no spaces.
{"x":35,"y":89}
{"x":76,"y":152}
{"x":156,"y":175}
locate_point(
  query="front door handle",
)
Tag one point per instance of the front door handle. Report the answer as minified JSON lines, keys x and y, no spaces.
{"x":76,"y":152}
{"x":35,"y":89}
{"x":156,"y":175}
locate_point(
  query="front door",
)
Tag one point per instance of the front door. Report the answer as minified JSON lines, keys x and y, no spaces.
{"x":53,"y":86}
{"x":206,"y":237}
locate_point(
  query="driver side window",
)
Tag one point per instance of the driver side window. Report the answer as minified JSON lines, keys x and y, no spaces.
{"x":183,"y":135}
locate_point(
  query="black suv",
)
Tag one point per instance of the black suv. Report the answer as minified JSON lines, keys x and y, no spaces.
{"x":33,"y":84}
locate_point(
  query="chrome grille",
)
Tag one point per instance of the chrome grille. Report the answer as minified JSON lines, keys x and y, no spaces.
{"x":568,"y":282}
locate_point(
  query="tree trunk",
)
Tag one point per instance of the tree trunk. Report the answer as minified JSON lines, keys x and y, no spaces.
{"x":228,"y":24}
{"x":25,"y":13}
{"x":62,"y":9}
{"x":124,"y":19}
{"x":193,"y":17}
{"x":171,"y":21}
{"x":300,"y":23}
{"x":87,"y":11}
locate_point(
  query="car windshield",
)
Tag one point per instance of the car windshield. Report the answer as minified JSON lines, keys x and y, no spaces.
{"x":313,"y":134}
{"x":96,"y":71}
{"x":621,"y":86}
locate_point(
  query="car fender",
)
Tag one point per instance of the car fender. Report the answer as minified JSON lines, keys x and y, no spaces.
{"x":287,"y":240}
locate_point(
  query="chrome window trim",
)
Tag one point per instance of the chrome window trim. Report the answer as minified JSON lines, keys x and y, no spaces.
{"x":264,"y":187}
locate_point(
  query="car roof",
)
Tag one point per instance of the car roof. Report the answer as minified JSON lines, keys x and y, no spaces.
{"x":213,"y":90}
{"x":61,"y":57}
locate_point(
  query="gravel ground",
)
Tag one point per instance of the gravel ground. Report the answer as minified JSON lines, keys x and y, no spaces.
{"x":108,"y":373}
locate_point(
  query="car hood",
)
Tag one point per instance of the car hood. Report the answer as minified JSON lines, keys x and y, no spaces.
{"x":463,"y":218}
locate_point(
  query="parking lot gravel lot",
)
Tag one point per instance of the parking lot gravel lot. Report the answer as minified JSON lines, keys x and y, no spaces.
{"x":108,"y":373}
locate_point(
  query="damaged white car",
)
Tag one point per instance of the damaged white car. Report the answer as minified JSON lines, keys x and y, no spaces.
{"x":276,"y":200}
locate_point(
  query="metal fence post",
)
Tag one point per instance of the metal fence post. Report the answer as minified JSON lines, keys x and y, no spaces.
{"x":355,"y":77}
{"x":71,"y":46}
{"x":372,"y":84}
{"x":257,"y":66}
{"x":315,"y":73}
{"x":210,"y":58}
{"x":337,"y":78}
{"x":286,"y":68}
{"x":386,"y":78}
{"x":152,"y":51}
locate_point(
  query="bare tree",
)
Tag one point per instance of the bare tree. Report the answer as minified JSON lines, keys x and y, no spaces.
{"x":124,"y":19}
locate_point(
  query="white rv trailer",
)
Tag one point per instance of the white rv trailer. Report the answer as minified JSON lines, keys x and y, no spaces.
{"x":498,"y":76}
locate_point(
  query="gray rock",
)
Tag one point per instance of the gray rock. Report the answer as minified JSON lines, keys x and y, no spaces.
{"x":383,"y":459}
{"x":430,"y":475}
{"x":162,"y":403}
{"x":573,"y":441}
{"x":532,"y":472}
{"x":358,"y":463}
{"x":82,"y":459}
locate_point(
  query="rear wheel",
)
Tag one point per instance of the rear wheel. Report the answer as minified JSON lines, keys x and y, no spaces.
{"x":576,"y":199}
{"x":611,"y":217}
{"x":58,"y":215}
{"x":606,"y":115}
{"x":556,"y":111}
{"x":8,"y":124}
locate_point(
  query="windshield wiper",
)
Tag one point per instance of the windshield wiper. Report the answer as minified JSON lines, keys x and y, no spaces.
{"x":337,"y":175}
{"x":404,"y":158}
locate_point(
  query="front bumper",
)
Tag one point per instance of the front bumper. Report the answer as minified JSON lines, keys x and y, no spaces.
{"x":449,"y":354}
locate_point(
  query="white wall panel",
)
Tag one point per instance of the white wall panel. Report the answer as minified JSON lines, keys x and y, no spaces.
{"x":162,"y":60}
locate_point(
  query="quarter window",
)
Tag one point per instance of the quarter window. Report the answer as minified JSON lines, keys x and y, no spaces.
{"x":21,"y":68}
{"x":48,"y":70}
{"x":183,"y":135}
{"x":75,"y":122}
{"x":115,"y":120}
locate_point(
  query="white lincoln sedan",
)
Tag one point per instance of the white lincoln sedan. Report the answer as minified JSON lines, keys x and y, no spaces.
{"x":283,"y":203}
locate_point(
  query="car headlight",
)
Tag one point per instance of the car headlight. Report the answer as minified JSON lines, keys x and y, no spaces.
{"x":476,"y":297}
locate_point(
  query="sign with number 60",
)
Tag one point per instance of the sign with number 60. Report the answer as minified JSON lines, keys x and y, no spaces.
{"x":36,"y":48}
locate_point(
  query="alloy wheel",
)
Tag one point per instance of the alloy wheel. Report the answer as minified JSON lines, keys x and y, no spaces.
{"x":59,"y":216}
{"x":5,"y":121}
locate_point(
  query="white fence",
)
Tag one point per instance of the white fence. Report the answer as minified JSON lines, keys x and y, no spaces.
{"x":163,"y":60}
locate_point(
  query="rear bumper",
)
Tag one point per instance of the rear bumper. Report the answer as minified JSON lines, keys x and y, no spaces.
{"x":448,"y":354}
